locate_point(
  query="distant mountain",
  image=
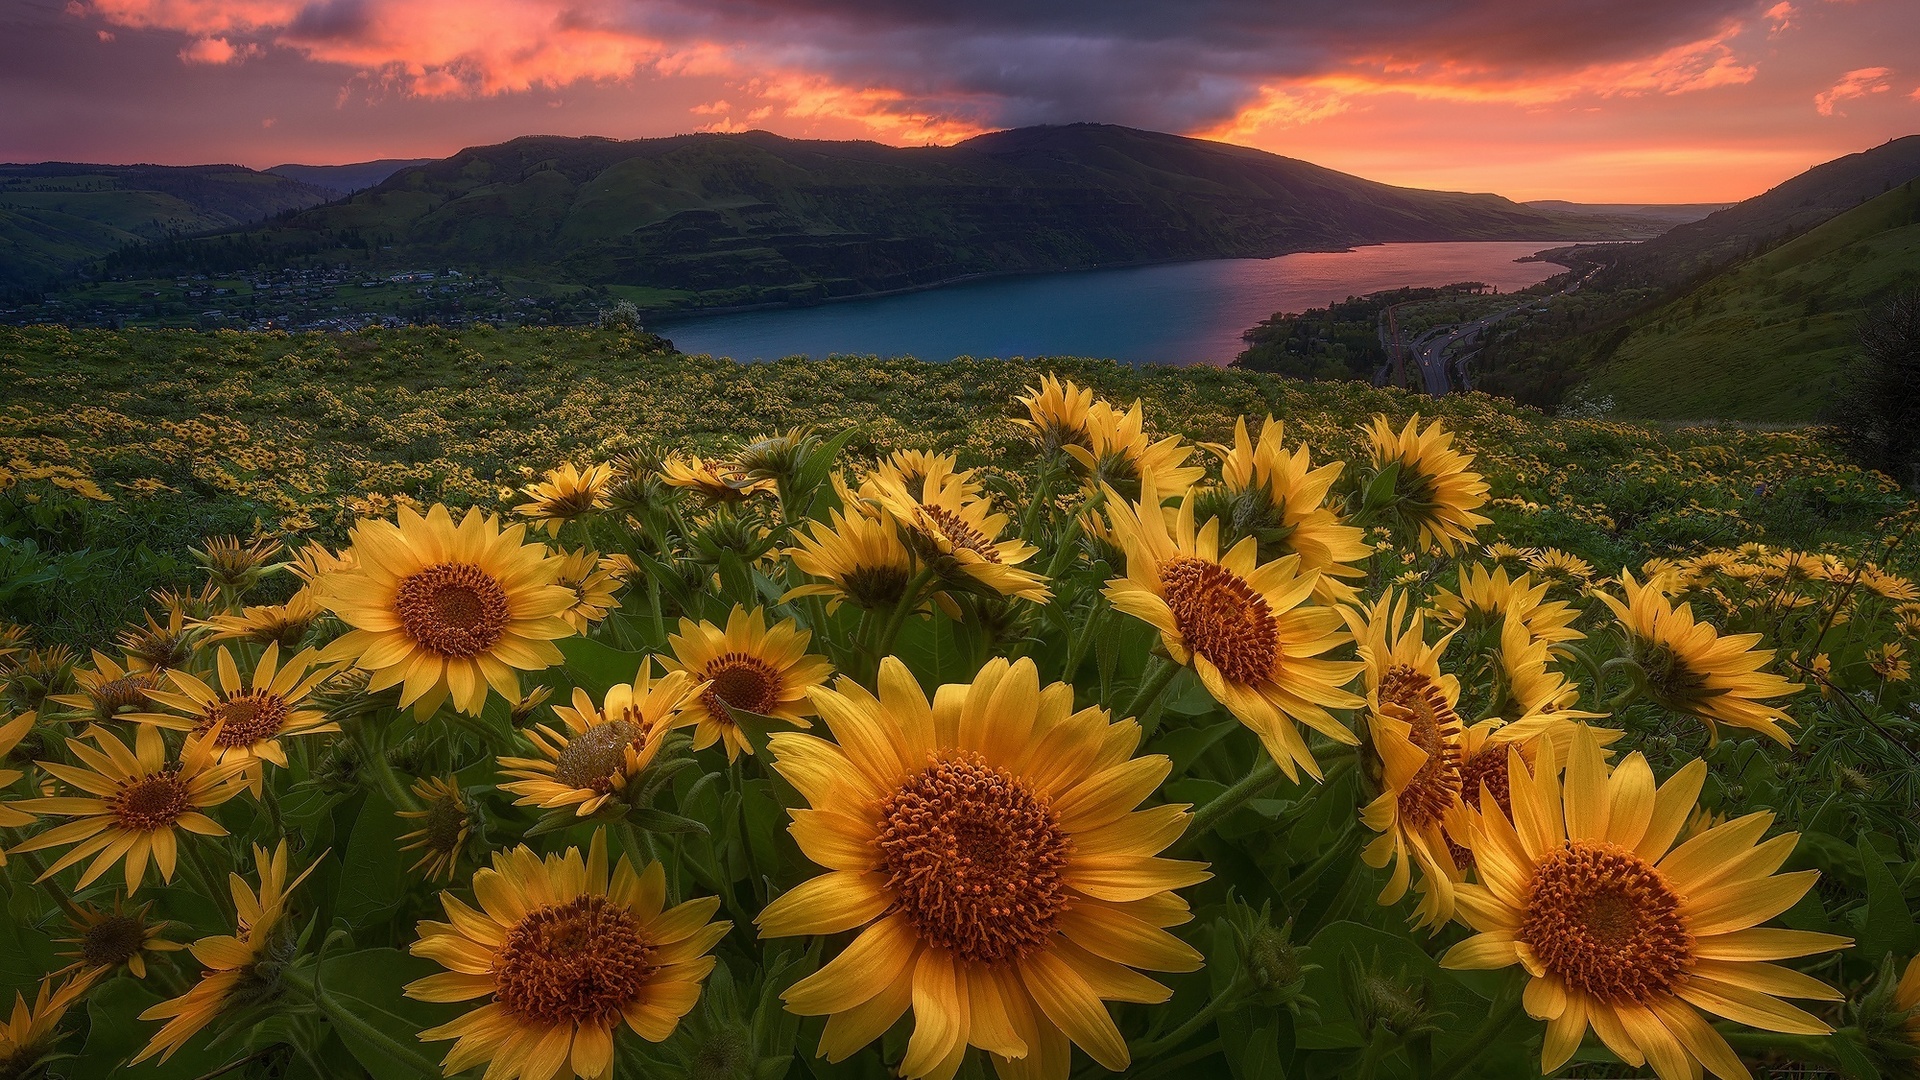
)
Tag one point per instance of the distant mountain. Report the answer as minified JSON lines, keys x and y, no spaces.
{"x":1661,"y":215}
{"x":1764,"y":221}
{"x":57,"y":215}
{"x":1766,"y":339}
{"x":712,"y":220}
{"x":347,"y":179}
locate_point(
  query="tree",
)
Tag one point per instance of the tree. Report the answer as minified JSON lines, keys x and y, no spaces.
{"x":1877,"y":411}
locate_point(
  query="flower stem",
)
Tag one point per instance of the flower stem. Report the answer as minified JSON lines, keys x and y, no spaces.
{"x":348,"y":1021}
{"x":1504,"y":1011}
{"x":374,"y":756}
{"x":1160,"y":674}
{"x":1225,"y":999}
{"x":1258,"y":779}
{"x":909,"y":599}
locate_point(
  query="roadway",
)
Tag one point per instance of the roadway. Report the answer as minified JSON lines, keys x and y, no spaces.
{"x":1450,"y":345}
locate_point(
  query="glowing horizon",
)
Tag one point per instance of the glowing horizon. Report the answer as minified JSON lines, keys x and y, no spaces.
{"x":1623,"y":101}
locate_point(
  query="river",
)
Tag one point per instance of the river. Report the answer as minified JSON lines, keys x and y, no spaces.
{"x":1177,"y":313}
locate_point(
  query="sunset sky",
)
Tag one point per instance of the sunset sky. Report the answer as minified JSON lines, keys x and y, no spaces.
{"x":1594,"y":100}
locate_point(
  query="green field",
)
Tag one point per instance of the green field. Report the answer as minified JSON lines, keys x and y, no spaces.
{"x":1768,"y":339}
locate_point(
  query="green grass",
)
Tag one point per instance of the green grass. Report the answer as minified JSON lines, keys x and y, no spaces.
{"x":1768,"y":340}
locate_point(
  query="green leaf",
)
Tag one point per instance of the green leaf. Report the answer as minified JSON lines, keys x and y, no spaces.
{"x":653,"y":820}
{"x":598,"y":668}
{"x":373,"y":878}
{"x":369,"y":984}
{"x":1186,"y":745}
{"x":1888,"y":925}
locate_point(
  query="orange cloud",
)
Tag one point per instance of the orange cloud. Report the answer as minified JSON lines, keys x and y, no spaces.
{"x":1856,"y":83}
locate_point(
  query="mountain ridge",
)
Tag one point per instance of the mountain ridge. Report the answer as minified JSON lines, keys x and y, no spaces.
{"x":708,"y":220}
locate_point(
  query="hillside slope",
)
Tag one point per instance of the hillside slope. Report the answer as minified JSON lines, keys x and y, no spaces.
{"x":708,"y":220}
{"x":1765,"y":220}
{"x":347,"y":179}
{"x":1766,"y":339}
{"x":56,"y":215}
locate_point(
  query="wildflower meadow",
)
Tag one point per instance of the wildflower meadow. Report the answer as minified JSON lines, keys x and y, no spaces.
{"x":548,"y":704}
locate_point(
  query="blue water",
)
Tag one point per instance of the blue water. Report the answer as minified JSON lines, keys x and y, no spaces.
{"x":1181,"y":313}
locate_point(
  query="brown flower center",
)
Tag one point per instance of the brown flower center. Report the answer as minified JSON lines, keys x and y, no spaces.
{"x":248,"y":718}
{"x":1670,"y":680}
{"x":876,"y":586}
{"x":1413,"y":697}
{"x":960,"y":534}
{"x":742,"y":681}
{"x":1488,"y":766}
{"x":454,"y":609}
{"x":112,"y":941}
{"x":1222,"y":618}
{"x":590,"y":759}
{"x":974,"y":860}
{"x":150,"y":803}
{"x":127,"y":692}
{"x":580,"y":962}
{"x":446,"y":824}
{"x":1606,"y":921}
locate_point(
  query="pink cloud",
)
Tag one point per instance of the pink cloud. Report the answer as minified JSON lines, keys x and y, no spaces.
{"x":213,"y":50}
{"x":1781,"y":16}
{"x":1854,"y":84}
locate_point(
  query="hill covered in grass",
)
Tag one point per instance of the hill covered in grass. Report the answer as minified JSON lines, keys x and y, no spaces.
{"x":1767,"y":339}
{"x":1771,"y":218}
{"x":56,"y":216}
{"x":713,"y":220}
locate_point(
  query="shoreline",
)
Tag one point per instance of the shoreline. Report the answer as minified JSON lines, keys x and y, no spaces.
{"x":665,"y":320}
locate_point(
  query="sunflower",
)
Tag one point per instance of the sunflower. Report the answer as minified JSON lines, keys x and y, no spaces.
{"x":1501,"y":554}
{"x":315,"y":561}
{"x":910,"y":469}
{"x":862,"y":559}
{"x":252,"y":714}
{"x":267,"y":624}
{"x":234,"y":565}
{"x":1058,"y":413}
{"x":30,"y":1034}
{"x":1691,"y":668}
{"x":157,"y":644}
{"x":565,"y":493}
{"x":229,"y":959}
{"x":108,"y":690}
{"x":958,"y":537}
{"x":1889,"y":661}
{"x":1559,"y":567}
{"x":445,"y":825}
{"x":1279,"y":498}
{"x":1119,"y":454}
{"x":136,"y":799}
{"x":1621,"y":930}
{"x":11,"y":733}
{"x":1906,"y":1002}
{"x":1486,"y":598}
{"x":1416,"y":737}
{"x":988,"y":845}
{"x":1437,"y":492}
{"x":106,"y":941}
{"x":593,"y":582}
{"x":447,"y":610}
{"x":1533,"y":690}
{"x":749,"y":665}
{"x":603,"y":748}
{"x":1244,"y":627}
{"x":721,"y":481}
{"x":566,"y":952}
